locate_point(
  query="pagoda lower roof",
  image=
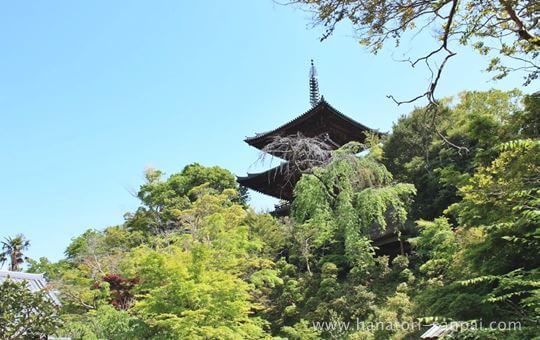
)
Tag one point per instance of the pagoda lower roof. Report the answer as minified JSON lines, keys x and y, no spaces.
{"x":322,"y":119}
{"x":272,"y":182}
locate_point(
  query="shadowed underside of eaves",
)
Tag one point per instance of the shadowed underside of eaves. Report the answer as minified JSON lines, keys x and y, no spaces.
{"x":272,"y":182}
{"x":322,"y":119}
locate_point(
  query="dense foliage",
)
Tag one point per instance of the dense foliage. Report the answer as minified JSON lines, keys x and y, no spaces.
{"x":25,"y":315}
{"x":194,"y":261}
{"x":473,"y":127}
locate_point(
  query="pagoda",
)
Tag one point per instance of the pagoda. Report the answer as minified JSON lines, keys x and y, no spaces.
{"x":321,"y":120}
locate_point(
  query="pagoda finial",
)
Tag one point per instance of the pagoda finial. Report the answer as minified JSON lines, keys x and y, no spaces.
{"x":314,"y":96}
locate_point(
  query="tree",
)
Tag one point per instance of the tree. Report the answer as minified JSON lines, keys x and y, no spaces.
{"x":191,"y":298}
{"x":507,"y":30}
{"x":350,"y":198}
{"x":486,"y":267}
{"x":106,"y":322}
{"x":477,"y":122}
{"x":160,"y":198}
{"x":121,"y":290}
{"x":527,"y":121}
{"x":196,"y":282}
{"x":91,"y":259}
{"x":12,"y":250}
{"x":330,"y":271}
{"x":24,"y":314}
{"x":435,"y":248}
{"x":502,"y":200}
{"x":195,"y":262}
{"x":201,"y":278}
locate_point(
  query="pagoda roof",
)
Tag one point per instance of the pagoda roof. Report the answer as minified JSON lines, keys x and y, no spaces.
{"x":320,"y":119}
{"x":271,"y":182}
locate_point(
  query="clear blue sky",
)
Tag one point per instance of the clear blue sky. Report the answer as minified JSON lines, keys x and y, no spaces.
{"x":92,"y":92}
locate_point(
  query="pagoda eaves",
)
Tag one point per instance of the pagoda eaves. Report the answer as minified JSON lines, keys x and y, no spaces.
{"x":320,"y":119}
{"x":271,"y":182}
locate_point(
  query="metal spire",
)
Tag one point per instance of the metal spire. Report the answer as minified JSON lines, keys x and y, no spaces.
{"x":314,"y":96}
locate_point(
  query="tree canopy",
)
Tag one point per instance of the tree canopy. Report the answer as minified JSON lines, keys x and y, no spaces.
{"x":195,"y":261}
{"x":24,"y":314}
{"x":505,"y":30}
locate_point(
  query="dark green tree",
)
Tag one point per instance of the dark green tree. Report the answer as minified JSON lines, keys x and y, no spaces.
{"x":472,"y":128}
{"x":26,"y":315}
{"x":485,"y":267}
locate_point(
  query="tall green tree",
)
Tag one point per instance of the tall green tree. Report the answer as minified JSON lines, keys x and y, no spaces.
{"x":485,"y":267}
{"x":473,"y":126}
{"x":197,"y":283}
{"x":207,"y":272}
{"x":349,"y":200}
{"x":331,"y":273}
{"x":161,"y":197}
{"x":502,"y":202}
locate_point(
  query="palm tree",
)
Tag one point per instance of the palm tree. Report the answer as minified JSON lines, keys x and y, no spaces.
{"x":12,"y":250}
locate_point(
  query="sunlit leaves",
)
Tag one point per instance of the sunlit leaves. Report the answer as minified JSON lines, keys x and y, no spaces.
{"x":24,"y":314}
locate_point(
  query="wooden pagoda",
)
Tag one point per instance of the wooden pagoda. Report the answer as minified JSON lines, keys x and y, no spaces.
{"x":321,"y":119}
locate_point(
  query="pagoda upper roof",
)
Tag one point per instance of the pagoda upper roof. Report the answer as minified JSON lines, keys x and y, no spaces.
{"x":320,"y":119}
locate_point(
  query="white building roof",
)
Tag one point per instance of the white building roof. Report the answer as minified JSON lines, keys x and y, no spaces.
{"x":436,"y":331}
{"x":34,"y":282}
